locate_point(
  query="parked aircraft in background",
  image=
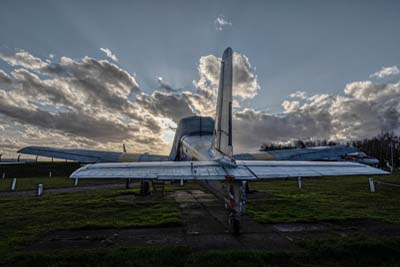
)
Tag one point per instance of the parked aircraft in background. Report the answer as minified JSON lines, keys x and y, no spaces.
{"x":203,"y":150}
{"x":318,"y":153}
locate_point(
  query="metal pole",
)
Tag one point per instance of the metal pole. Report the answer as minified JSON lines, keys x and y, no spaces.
{"x":14,"y":184}
{"x":392,"y":146}
{"x":243,"y":198}
{"x":371,"y":185}
{"x":40,"y":190}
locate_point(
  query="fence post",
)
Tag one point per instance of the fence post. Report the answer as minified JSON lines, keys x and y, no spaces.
{"x":371,"y":185}
{"x":40,"y":190}
{"x":14,"y":184}
{"x":299,"y":182}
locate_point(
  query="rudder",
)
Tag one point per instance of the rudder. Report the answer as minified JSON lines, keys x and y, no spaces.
{"x":223,"y":121}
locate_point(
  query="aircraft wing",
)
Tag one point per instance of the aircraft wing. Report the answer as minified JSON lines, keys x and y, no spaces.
{"x":89,"y":156}
{"x":212,"y":170}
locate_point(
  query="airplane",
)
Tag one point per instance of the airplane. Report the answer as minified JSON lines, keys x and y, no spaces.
{"x":203,"y":150}
{"x":318,"y":153}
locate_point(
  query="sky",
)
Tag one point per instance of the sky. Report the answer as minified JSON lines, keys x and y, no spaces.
{"x":96,"y":74}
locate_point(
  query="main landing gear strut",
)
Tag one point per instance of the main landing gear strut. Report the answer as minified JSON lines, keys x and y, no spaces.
{"x":236,"y":204}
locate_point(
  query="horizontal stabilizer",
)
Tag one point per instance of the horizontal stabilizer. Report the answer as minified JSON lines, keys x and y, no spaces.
{"x":212,"y":170}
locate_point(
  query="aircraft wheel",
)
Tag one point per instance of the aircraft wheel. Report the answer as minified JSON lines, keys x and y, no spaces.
{"x":234,"y":225}
{"x":145,"y":188}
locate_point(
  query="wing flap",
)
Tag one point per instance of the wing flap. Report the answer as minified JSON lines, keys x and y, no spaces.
{"x":287,"y":169}
{"x":211,"y":170}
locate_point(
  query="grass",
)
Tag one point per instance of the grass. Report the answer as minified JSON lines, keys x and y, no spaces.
{"x":327,"y":253}
{"x":49,"y":183}
{"x":31,"y":183}
{"x":23,"y":218}
{"x":325,"y":199}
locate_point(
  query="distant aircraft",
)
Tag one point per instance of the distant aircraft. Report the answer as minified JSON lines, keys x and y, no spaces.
{"x":318,"y":153}
{"x":203,"y":151}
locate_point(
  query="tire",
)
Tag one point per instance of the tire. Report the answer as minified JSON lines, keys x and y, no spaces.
{"x":234,"y":225}
{"x":145,"y":188}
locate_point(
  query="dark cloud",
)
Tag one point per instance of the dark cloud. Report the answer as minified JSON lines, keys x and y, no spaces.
{"x":4,"y":78}
{"x":68,"y":122}
{"x":170,"y":105}
{"x":101,"y":82}
{"x":166,"y":86}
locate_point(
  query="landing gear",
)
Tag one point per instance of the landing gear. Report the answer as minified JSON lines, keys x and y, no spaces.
{"x":234,"y":224}
{"x":144,"y":188}
{"x":236,"y":204}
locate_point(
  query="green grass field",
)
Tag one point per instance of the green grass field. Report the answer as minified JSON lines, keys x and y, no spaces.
{"x":24,"y":219}
{"x":327,"y":199}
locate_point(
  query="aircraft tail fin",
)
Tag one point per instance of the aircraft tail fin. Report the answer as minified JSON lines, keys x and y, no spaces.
{"x":223,"y":121}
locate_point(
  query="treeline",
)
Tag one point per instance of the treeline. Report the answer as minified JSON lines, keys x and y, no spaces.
{"x":385,"y":147}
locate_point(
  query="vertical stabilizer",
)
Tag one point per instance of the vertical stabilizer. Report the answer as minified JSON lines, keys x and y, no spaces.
{"x":223,"y":120}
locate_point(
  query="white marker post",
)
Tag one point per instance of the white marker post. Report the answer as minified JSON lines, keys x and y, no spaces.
{"x":181,"y":183}
{"x":371,"y":185}
{"x":299,"y":182}
{"x":40,"y":190}
{"x":49,"y":174}
{"x":76,"y":181}
{"x":14,"y":184}
{"x":4,"y":175}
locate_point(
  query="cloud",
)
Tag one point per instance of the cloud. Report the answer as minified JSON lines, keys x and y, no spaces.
{"x":92,"y":103}
{"x":165,"y":86}
{"x":385,"y":72}
{"x":244,"y":77}
{"x":109,"y":54}
{"x":290,"y":106}
{"x":23,"y":59}
{"x":86,"y":100}
{"x":4,"y":78}
{"x":365,"y":110}
{"x":299,"y":94}
{"x":221,"y":23}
